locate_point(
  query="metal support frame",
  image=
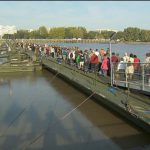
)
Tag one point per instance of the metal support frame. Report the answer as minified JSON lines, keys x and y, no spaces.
{"x":111,"y":65}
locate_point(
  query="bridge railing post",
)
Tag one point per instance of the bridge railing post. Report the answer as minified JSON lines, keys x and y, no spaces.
{"x":126,"y":75}
{"x":143,"y":76}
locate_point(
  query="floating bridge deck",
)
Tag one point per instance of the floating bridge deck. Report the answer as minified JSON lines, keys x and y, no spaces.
{"x":17,"y":61}
{"x":133,"y":106}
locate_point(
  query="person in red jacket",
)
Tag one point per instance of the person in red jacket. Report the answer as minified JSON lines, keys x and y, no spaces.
{"x":94,"y":62}
{"x":136,"y":63}
{"x":104,"y":66}
{"x":114,"y":58}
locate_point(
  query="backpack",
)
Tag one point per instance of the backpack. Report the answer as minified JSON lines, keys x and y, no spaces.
{"x":71,"y":55}
{"x":78,"y":59}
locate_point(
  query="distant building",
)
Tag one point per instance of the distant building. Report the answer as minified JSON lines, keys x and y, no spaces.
{"x":30,"y":30}
{"x":101,"y":30}
{"x":7,"y":30}
{"x":48,"y":29}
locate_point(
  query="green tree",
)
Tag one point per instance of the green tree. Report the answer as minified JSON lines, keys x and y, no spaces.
{"x":131,"y":34}
{"x":82,"y":32}
{"x":75,"y":32}
{"x":22,"y":34}
{"x":35,"y":34}
{"x":92,"y":34}
{"x":8,"y":36}
{"x":107,"y":34}
{"x":43,"y":32}
{"x":119,"y":35}
{"x":144,"y":35}
{"x":57,"y":33}
{"x":68,"y":34}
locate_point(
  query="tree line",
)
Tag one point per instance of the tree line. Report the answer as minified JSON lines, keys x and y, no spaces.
{"x":130,"y":34}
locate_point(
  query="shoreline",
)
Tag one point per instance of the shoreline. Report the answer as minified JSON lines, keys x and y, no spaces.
{"x":84,"y":41}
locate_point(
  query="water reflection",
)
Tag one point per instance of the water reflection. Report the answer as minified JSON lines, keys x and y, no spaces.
{"x":6,"y":82}
{"x":41,"y":103}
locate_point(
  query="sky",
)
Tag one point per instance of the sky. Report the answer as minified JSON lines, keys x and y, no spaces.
{"x":90,"y":14}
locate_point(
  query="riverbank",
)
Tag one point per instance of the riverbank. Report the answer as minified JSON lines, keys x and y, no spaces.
{"x":101,"y":41}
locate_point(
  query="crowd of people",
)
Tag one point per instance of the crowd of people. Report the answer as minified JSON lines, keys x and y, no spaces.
{"x":92,"y":60}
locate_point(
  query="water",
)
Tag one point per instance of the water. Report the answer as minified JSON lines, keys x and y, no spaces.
{"x":138,"y":49}
{"x":45,"y":100}
{"x":3,"y":60}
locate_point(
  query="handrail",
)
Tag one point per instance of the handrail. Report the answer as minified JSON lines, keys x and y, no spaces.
{"x":135,"y":75}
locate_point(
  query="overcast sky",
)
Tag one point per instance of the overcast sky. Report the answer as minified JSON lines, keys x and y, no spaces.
{"x":90,"y":14}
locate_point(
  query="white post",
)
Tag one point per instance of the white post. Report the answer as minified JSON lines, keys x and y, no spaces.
{"x":111,"y":68}
{"x":111,"y":73}
{"x":143,"y":77}
{"x":111,"y":77}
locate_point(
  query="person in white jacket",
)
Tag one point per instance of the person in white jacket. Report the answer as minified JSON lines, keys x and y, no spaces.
{"x":130,"y":67}
{"x":121,"y":69}
{"x":126,"y":58}
{"x":147,"y":68}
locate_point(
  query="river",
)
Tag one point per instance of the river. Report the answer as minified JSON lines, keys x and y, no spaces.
{"x":138,"y":49}
{"x":31,"y":103}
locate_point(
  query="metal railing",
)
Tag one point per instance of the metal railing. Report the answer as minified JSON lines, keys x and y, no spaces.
{"x":133,"y":75}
